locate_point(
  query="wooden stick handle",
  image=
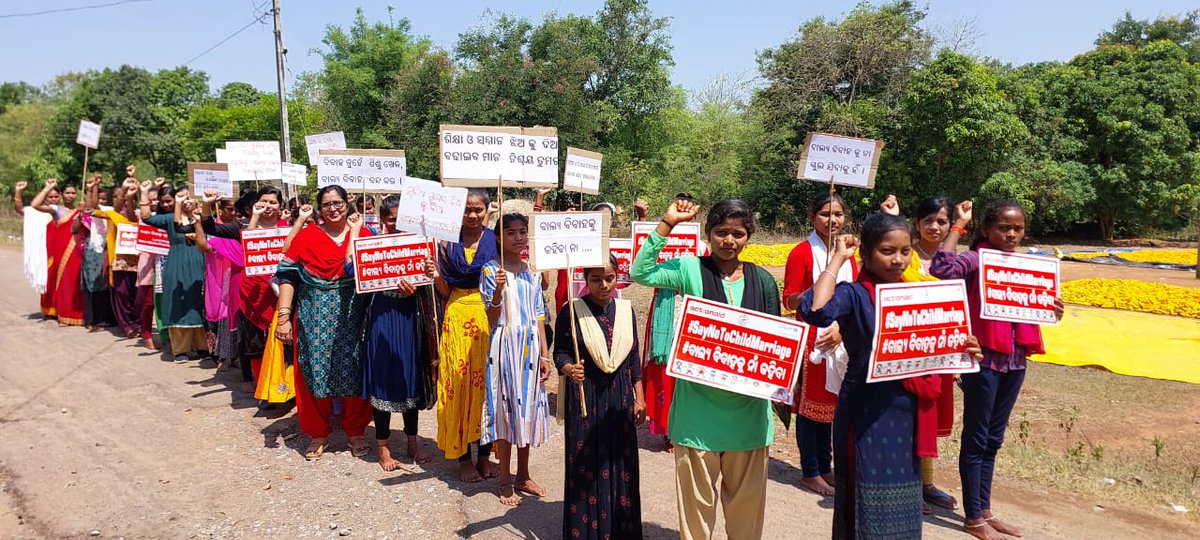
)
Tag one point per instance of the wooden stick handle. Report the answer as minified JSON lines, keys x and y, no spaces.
{"x":578,"y":362}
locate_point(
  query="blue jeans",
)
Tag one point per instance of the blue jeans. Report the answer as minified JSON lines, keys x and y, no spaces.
{"x":815,"y":440}
{"x":988,"y":399}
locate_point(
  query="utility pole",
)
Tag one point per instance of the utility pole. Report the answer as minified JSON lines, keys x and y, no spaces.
{"x":285,"y":143}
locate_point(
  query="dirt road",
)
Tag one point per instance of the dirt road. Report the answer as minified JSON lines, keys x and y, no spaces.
{"x":101,"y":438}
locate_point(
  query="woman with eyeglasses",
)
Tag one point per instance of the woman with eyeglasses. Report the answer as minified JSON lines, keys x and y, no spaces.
{"x":327,"y":323}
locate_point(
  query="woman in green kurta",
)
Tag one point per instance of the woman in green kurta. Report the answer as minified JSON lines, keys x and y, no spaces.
{"x":182,"y":273}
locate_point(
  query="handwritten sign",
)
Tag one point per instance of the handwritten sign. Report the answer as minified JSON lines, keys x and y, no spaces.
{"x":481,"y":156}
{"x":253,"y":160}
{"x":847,"y":160}
{"x":684,"y":240}
{"x":376,"y":171}
{"x":293,"y":174}
{"x":127,"y":235}
{"x":209,"y":176}
{"x":323,"y":141}
{"x":262,"y":250}
{"x":921,"y":329}
{"x":622,"y":249}
{"x":88,"y":135}
{"x":382,"y":262}
{"x":583,"y":171}
{"x":152,"y":240}
{"x":566,"y":239}
{"x":429,"y":209}
{"x":736,"y":349}
{"x":1018,"y":288}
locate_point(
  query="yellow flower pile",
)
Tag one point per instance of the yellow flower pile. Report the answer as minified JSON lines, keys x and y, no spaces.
{"x":1184,"y":257}
{"x":1088,"y":254}
{"x":1134,"y":295}
{"x":764,"y":255}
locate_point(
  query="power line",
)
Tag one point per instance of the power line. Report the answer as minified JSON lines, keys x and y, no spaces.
{"x":64,"y":10}
{"x":260,"y":19}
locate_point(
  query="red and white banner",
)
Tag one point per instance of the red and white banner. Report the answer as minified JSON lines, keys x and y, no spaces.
{"x":684,"y":239}
{"x":920,"y":329}
{"x":735,"y":349}
{"x":1018,"y":288}
{"x":263,"y":249}
{"x":382,"y":262}
{"x":127,"y":235}
{"x":622,"y":248}
{"x":152,"y":240}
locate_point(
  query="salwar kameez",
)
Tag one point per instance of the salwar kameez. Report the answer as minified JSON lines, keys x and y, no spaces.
{"x":182,"y":304}
{"x":659,"y":387}
{"x":122,"y":274}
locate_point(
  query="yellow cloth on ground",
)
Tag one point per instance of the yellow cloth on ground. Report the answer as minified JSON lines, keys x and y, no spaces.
{"x":1125,"y":342}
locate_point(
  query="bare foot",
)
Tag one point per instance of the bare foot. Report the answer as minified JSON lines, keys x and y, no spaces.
{"x":222,"y":366}
{"x":529,"y":487}
{"x":488,"y":468}
{"x":1000,"y":526}
{"x":828,"y":478}
{"x":817,"y":485}
{"x":385,"y":457}
{"x":981,"y":530}
{"x":149,"y":344}
{"x":415,"y":452}
{"x":508,"y":496}
{"x":466,"y":470}
{"x":670,"y":446}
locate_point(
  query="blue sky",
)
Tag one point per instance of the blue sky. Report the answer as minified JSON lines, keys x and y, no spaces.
{"x":710,"y":39}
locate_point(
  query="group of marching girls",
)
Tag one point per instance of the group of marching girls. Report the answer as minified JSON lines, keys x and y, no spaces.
{"x":478,"y":346}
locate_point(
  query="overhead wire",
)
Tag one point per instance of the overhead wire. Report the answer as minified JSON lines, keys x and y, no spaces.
{"x":65,"y":10}
{"x":261,"y":18}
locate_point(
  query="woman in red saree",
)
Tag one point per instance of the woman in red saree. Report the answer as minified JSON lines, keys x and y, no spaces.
{"x":64,"y":296}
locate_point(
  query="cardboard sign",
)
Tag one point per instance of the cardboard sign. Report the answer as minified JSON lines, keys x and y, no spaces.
{"x":429,"y":209}
{"x":293,"y":174}
{"x":263,"y":249}
{"x":253,"y":160}
{"x":323,"y":141}
{"x":738,"y":350}
{"x":684,"y":239}
{"x":482,"y":156}
{"x":152,"y":240}
{"x":583,"y":171}
{"x":382,"y":262}
{"x":566,"y":239}
{"x":209,"y":176}
{"x":1018,"y":288}
{"x":376,"y":171}
{"x":622,"y":249}
{"x":127,"y":236}
{"x":88,"y":135}
{"x":847,"y":160}
{"x":920,"y":329}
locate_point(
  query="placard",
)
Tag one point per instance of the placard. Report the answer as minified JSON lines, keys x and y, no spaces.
{"x":582,"y":173}
{"x":684,"y":240}
{"x":382,"y":262}
{"x":566,"y":239}
{"x":481,"y":156}
{"x":127,"y":236}
{"x":253,"y":160}
{"x":375,"y":171}
{"x":152,"y":240}
{"x":622,"y":249}
{"x":429,"y":209}
{"x":323,"y":141}
{"x":222,"y":155}
{"x":205,"y":176}
{"x":848,"y":161}
{"x":294,"y":174}
{"x":1016,"y":287}
{"x":88,"y":135}
{"x":921,"y":329}
{"x":736,"y":349}
{"x":263,"y":249}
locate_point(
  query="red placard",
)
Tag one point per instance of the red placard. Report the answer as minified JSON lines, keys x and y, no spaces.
{"x":920,"y":329}
{"x":738,"y":350}
{"x":263,"y":249}
{"x":525,"y":253}
{"x":1018,"y":288}
{"x":127,"y":235}
{"x":684,"y":240}
{"x":622,"y":248}
{"x":382,"y":262}
{"x":152,"y":240}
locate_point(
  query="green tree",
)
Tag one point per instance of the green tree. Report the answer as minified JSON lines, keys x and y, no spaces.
{"x":17,"y":93}
{"x":237,"y":94}
{"x":22,"y":127}
{"x":1183,"y":29}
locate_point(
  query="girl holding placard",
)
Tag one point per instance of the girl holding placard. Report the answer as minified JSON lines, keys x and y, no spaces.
{"x":989,"y":395}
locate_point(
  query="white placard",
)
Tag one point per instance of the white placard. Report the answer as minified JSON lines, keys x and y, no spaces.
{"x":89,"y":134}
{"x":253,"y":160}
{"x":205,"y":179}
{"x":582,"y":173}
{"x":848,"y":161}
{"x":323,"y":141}
{"x":294,"y":174}
{"x":222,"y":155}
{"x":374,"y":171}
{"x":482,"y":156}
{"x":566,"y":239}
{"x":431,"y":210}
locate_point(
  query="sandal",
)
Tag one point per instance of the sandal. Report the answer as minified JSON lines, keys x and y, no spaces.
{"x":316,"y":449}
{"x":359,"y":446}
{"x":940,"y":498}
